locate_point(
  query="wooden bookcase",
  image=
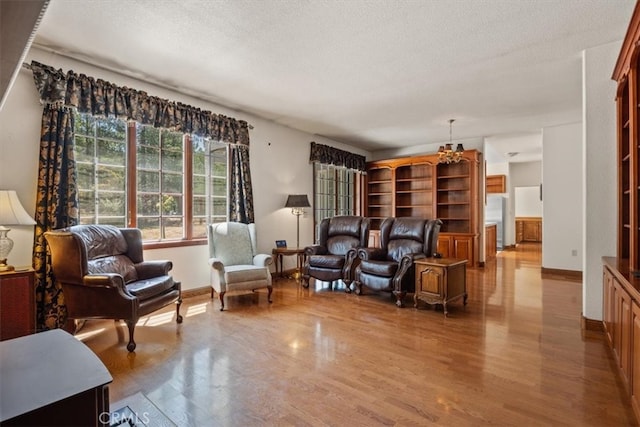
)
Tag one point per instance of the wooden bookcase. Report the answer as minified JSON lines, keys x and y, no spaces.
{"x":628,"y":141}
{"x":421,"y":187}
{"x":621,"y":275}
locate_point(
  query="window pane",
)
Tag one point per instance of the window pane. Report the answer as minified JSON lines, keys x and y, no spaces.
{"x":172,"y":141}
{"x":111,"y":178}
{"x":219,"y":207}
{"x":111,"y":152}
{"x":86,"y":176}
{"x":171,"y":205}
{"x":84,"y":124}
{"x":148,"y":181}
{"x":111,"y":128}
{"x":111,"y":204}
{"x":172,"y":161}
{"x":86,"y":202}
{"x":172,"y":228}
{"x":199,"y":185}
{"x":148,"y":205}
{"x":147,"y":135}
{"x":219,"y":186}
{"x":199,"y":206}
{"x":199,"y":227}
{"x":84,"y":149}
{"x":150,"y":228}
{"x":148,"y":157}
{"x":171,"y":183}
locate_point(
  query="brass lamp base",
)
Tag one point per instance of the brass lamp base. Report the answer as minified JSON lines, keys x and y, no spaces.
{"x":4,"y":267}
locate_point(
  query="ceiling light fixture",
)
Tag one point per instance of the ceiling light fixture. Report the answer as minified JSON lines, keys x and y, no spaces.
{"x":446,"y":153}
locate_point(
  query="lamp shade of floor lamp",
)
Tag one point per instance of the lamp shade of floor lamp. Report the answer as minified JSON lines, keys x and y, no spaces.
{"x":297,"y":203}
{"x":11,"y":213}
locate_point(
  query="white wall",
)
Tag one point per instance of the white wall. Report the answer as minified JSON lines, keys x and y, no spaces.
{"x":523,"y":174}
{"x":562,"y":197}
{"x":599,"y":168}
{"x":528,"y":201}
{"x":279,"y":166}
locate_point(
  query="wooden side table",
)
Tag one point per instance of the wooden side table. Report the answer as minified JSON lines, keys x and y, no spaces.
{"x":440,"y":281}
{"x":280,"y":253}
{"x":17,"y":304}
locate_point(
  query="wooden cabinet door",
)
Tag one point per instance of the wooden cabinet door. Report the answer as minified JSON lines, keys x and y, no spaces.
{"x":17,"y":305}
{"x":608,"y":304}
{"x":519,"y":231}
{"x":445,"y":246}
{"x":463,"y":248}
{"x":530,"y":231}
{"x":622,"y":332}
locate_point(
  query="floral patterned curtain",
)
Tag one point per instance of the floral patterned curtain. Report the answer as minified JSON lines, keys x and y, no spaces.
{"x":332,"y":156}
{"x":56,"y":207}
{"x":241,"y":203}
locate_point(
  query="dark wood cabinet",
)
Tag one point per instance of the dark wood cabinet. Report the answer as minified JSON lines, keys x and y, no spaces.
{"x":419,"y":186}
{"x":440,"y":281}
{"x":17,"y":304}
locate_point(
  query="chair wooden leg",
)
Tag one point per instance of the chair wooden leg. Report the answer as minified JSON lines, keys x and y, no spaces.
{"x":221,"y":301}
{"x":270,"y":288}
{"x":131,"y":324}
{"x":178,"y":315}
{"x":212,"y":291}
{"x":399,"y":298}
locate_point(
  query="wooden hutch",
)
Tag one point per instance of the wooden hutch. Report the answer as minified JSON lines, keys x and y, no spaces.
{"x":420,"y":186}
{"x":621,"y":275}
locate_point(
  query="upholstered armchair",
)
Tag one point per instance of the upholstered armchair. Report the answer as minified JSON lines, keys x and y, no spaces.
{"x":235,"y":262}
{"x":335,"y":255}
{"x":103,"y":275}
{"x":390,"y":268}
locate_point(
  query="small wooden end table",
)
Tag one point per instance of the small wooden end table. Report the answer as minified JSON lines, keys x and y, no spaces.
{"x":440,"y":281}
{"x":280,"y":253}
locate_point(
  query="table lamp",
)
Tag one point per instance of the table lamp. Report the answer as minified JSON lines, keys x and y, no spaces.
{"x":11,"y":213}
{"x":297,"y":203}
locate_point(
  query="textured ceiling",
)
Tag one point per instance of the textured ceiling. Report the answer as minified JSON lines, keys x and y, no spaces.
{"x":375,"y":74}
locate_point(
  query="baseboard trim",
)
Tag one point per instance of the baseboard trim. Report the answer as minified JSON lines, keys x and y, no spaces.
{"x":591,"y":325}
{"x":196,"y":292}
{"x":554,"y":273}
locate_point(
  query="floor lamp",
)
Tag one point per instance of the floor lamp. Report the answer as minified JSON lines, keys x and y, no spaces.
{"x":297,"y":203}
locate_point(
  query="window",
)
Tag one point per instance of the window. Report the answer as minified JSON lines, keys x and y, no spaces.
{"x":335,"y":192}
{"x":167,"y":184}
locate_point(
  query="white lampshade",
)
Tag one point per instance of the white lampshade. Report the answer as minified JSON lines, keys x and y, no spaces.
{"x":11,"y":211}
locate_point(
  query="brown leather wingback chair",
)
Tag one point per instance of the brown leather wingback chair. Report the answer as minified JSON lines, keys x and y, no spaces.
{"x":335,"y":255}
{"x":104,"y":276}
{"x":390,"y":267}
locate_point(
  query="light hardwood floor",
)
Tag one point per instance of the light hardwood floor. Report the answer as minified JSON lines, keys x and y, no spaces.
{"x":514,"y":356}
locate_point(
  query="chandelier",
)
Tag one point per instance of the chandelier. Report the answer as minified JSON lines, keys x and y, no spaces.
{"x":446,"y":153}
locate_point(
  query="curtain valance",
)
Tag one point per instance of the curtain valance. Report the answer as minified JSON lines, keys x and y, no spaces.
{"x":333,"y":156}
{"x":102,"y":98}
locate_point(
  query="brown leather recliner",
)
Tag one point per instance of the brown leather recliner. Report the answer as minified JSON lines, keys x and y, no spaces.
{"x":335,"y":256}
{"x":104,"y":276}
{"x":390,"y":267}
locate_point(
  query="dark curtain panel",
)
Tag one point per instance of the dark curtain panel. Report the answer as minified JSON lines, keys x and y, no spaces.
{"x":333,"y":156}
{"x":241,"y":203}
{"x":56,"y":207}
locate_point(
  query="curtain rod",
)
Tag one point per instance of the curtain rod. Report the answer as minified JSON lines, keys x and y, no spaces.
{"x":27,"y":66}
